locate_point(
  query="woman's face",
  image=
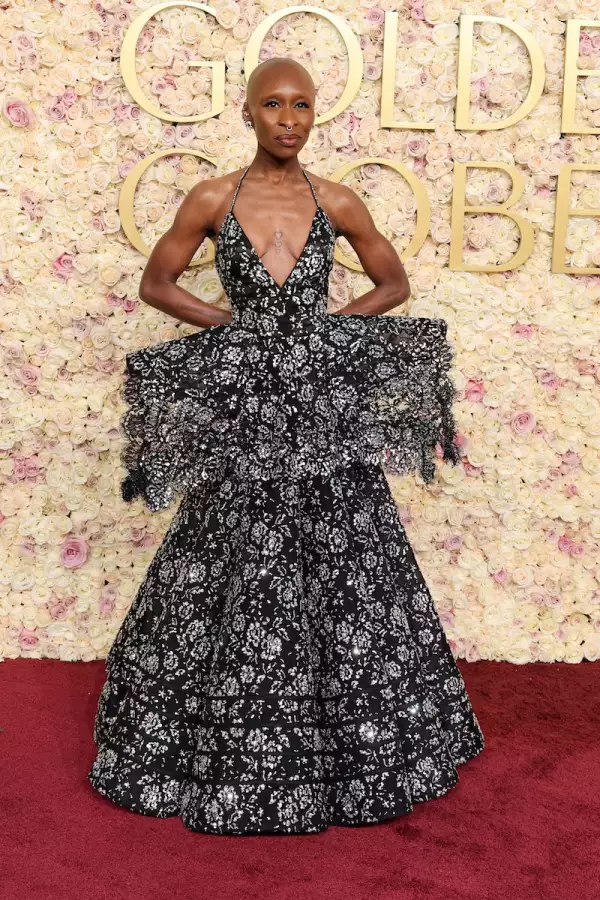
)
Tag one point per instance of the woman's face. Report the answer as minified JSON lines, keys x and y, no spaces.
{"x":281,"y":105}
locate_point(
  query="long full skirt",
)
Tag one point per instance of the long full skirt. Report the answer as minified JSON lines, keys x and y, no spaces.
{"x":283,"y":667}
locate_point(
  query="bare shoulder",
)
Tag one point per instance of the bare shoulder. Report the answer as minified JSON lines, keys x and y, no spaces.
{"x":340,"y":202}
{"x":206,"y":203}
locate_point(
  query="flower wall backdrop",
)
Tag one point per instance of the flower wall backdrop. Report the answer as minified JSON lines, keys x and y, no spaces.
{"x":509,"y":540}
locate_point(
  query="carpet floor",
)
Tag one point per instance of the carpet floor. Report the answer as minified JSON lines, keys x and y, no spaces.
{"x":523,"y":823}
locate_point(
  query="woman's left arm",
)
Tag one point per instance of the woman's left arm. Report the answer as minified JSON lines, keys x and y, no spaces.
{"x":377,"y":256}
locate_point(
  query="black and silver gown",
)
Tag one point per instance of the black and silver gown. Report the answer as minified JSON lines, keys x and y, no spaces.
{"x":282,"y":667}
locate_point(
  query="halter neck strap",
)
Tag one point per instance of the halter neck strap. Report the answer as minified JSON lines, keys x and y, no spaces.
{"x":237,"y":187}
{"x":243,"y":175}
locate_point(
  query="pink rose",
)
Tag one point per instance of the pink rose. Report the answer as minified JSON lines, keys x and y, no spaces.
{"x":81,"y":328}
{"x":577,"y":549}
{"x":372,"y":71}
{"x":564,"y":544}
{"x":470,"y":470}
{"x":472,"y":653}
{"x":571,"y":490}
{"x":28,"y":200}
{"x":522,"y":422}
{"x":416,"y":147}
{"x":453,"y":543}
{"x":125,"y":167}
{"x":523,"y":330}
{"x":19,"y":469}
{"x":58,"y":611}
{"x":129,"y":304}
{"x":158,"y":85}
{"x":500,"y":577}
{"x":353,"y":122}
{"x":27,"y":546}
{"x":29,"y":374}
{"x":32,"y":466}
{"x":184,"y":135}
{"x":63,"y":265}
{"x":375,"y":16}
{"x":123,"y":111}
{"x":586,"y":366}
{"x":24,"y":41}
{"x":571,"y":459}
{"x":106,"y":605}
{"x":586,"y":47}
{"x":549,"y":380}
{"x":57,"y":111}
{"x":168,"y":134}
{"x":474,"y":391}
{"x":91,"y":37}
{"x":112,"y":300}
{"x":69,"y":97}
{"x":73,"y":552}
{"x":27,"y":639}
{"x":17,"y":112}
{"x":405,"y":515}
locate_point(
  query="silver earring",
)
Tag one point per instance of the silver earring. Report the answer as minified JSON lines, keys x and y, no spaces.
{"x":248,"y":123}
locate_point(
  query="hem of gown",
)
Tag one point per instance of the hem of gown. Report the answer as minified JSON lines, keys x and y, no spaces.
{"x":335,"y":820}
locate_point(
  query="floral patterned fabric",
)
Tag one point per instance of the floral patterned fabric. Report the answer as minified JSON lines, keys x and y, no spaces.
{"x":286,"y":387}
{"x":282,"y":667}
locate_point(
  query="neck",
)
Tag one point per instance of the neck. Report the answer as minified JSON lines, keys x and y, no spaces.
{"x":269,"y":167}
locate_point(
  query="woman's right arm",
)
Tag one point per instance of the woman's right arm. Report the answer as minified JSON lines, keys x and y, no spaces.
{"x":172,"y":254}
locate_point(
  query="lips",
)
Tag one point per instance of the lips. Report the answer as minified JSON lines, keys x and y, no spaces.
{"x":288,"y":140}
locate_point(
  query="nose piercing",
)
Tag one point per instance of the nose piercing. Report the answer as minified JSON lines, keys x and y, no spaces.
{"x":289,"y":127}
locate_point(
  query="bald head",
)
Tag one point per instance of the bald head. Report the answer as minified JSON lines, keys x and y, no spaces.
{"x":268,"y":74}
{"x":280,"y":91}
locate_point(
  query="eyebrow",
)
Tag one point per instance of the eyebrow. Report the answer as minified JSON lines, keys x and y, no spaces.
{"x":276,"y":93}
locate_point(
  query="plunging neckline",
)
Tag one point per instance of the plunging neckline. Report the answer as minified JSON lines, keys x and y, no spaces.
{"x":252,"y":249}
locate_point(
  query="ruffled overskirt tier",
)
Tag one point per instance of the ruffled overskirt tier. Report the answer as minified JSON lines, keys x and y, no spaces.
{"x":332,"y":391}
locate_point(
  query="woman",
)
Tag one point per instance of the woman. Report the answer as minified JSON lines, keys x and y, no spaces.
{"x":282,"y":667}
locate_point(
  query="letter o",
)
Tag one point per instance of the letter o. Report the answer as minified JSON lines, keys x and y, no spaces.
{"x":355,"y":57}
{"x":126,"y":198}
{"x":423,"y":207}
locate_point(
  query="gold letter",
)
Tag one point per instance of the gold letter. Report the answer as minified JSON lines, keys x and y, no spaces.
{"x":465,"y":49}
{"x":388,"y":78}
{"x":423,"y":208}
{"x":355,"y":57}
{"x":458,"y":218}
{"x":561,"y":221}
{"x":129,"y":73}
{"x":570,"y":80}
{"x":127,"y":194}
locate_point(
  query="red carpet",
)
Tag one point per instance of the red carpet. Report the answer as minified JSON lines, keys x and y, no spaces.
{"x":523,"y":823}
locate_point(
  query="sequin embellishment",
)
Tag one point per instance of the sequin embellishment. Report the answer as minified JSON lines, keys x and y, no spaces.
{"x":282,"y":667}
